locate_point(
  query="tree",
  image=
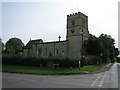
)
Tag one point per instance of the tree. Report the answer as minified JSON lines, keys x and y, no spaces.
{"x":93,"y":48}
{"x":92,"y":45}
{"x":103,"y":47}
{"x":2,"y":46}
{"x":113,"y":54}
{"x":116,"y":52}
{"x":14,"y":45}
{"x":107,"y":48}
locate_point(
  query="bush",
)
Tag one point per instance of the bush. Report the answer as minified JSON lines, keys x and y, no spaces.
{"x":90,"y":60}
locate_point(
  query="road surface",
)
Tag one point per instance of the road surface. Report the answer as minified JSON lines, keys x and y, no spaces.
{"x":108,"y":79}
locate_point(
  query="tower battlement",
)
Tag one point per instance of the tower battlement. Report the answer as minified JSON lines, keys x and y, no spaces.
{"x":77,"y":14}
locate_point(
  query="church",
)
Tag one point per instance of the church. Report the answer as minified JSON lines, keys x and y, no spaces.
{"x":77,"y":33}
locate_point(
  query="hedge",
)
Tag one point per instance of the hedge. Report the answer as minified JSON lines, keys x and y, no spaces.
{"x":37,"y":61}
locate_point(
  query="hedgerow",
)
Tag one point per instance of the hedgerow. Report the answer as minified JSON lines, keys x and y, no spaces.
{"x":37,"y":61}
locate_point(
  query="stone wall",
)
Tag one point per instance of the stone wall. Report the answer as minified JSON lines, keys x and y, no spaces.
{"x":52,"y":49}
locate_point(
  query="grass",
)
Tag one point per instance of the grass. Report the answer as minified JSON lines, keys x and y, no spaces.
{"x":92,"y":68}
{"x":45,"y":71}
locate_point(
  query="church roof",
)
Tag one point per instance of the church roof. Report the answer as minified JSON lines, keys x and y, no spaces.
{"x":54,"y":42}
{"x":31,"y":42}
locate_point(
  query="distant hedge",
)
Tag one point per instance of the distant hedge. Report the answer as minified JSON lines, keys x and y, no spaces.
{"x":36,"y":61}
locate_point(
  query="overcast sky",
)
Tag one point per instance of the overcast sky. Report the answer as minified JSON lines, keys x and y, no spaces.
{"x":47,"y":20}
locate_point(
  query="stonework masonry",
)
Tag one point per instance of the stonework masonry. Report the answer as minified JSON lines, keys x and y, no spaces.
{"x":77,"y":32}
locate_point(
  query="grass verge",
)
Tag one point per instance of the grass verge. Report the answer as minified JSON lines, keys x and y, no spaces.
{"x":46,"y":71}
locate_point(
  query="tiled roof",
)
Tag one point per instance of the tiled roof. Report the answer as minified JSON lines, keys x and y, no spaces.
{"x":31,"y":42}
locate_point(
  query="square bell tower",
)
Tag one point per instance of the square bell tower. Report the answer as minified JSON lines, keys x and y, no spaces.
{"x":77,"y":32}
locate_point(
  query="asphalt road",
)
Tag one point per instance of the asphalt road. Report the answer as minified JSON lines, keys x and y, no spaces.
{"x":108,"y":79}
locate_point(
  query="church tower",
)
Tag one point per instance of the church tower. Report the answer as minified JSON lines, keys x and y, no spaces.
{"x":77,"y":32}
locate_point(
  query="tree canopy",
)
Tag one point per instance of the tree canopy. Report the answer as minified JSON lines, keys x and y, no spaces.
{"x":14,"y":45}
{"x":102,"y":46}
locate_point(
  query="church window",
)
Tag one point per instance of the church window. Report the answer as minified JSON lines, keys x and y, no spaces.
{"x":40,"y":52}
{"x":46,"y":51}
{"x":62,"y":52}
{"x":50,"y":54}
{"x":57,"y":51}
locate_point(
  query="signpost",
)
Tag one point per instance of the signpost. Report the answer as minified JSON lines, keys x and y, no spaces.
{"x":79,"y":65}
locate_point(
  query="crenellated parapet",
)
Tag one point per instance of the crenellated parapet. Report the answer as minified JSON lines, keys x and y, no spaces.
{"x":76,"y":14}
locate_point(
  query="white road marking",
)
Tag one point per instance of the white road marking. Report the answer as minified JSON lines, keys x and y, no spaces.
{"x":101,"y":82}
{"x":19,"y":78}
{"x":96,"y":80}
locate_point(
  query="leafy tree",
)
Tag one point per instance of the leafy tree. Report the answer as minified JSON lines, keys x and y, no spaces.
{"x":107,"y":47}
{"x":116,"y":52}
{"x":92,"y":45}
{"x":103,"y":46}
{"x":113,"y":54}
{"x":107,"y":41}
{"x":14,"y":45}
{"x":3,"y":47}
{"x":93,"y":48}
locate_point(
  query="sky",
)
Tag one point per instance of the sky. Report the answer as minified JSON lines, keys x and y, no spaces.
{"x":47,"y":19}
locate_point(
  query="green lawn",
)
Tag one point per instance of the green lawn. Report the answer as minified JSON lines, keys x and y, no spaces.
{"x":45,"y":71}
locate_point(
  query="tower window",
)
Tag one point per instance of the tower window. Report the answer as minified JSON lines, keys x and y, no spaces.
{"x":83,"y":23}
{"x":72,"y":30}
{"x":73,"y":22}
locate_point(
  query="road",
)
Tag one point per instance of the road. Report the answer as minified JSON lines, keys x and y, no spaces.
{"x":108,"y":79}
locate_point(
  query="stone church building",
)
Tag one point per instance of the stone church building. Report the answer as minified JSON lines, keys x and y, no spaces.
{"x":77,"y":32}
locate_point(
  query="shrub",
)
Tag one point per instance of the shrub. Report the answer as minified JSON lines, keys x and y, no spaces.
{"x":90,"y":60}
